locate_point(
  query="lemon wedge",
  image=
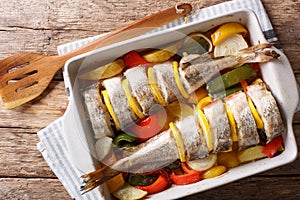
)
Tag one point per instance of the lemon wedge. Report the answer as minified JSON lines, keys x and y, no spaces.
{"x":110,"y":108}
{"x":206,"y":129}
{"x":178,"y":82}
{"x":232,"y":124}
{"x":226,"y":30}
{"x":258,"y":120}
{"x":153,"y":85}
{"x":132,"y":101}
{"x":179,"y":141}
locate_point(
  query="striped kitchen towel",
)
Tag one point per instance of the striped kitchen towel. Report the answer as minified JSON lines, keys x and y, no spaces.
{"x":52,"y":144}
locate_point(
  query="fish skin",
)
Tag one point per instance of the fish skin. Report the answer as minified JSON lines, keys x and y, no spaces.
{"x":140,"y":87}
{"x":155,"y":153}
{"x":166,"y":82}
{"x":97,"y":113}
{"x":245,"y":123}
{"x":193,"y":138}
{"x":119,"y":102}
{"x":219,"y":125}
{"x":198,"y":71}
{"x":267,"y":108}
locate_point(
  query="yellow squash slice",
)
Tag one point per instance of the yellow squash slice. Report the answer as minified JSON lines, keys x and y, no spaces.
{"x":214,"y":172}
{"x":251,"y":154}
{"x":228,"y":159}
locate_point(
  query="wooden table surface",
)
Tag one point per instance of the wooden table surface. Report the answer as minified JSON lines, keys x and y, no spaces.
{"x":41,"y":26}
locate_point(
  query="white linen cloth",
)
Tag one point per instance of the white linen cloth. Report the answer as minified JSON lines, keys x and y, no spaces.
{"x":52,"y":143}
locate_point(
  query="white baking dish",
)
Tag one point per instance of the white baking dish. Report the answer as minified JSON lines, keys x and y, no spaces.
{"x":278,"y":75}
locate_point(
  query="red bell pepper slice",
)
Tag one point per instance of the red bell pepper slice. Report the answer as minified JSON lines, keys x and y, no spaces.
{"x":272,"y":147}
{"x":133,"y":59}
{"x":190,"y":176}
{"x":255,"y":67}
{"x":146,"y":128}
{"x":244,"y":85}
{"x":160,"y":184}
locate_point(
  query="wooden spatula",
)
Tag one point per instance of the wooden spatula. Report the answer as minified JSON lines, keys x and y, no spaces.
{"x":24,"y":76}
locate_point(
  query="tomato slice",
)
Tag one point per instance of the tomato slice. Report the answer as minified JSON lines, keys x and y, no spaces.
{"x":133,"y":59}
{"x":190,"y":176}
{"x":160,"y":184}
{"x":146,"y":128}
{"x":272,"y":147}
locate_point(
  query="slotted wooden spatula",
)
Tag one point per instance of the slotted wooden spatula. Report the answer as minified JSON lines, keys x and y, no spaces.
{"x":24,"y":76}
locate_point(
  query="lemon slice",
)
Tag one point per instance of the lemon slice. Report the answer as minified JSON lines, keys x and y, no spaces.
{"x":132,"y":101}
{"x":232,"y":124}
{"x":178,"y":82}
{"x":110,"y":108}
{"x":258,"y":121}
{"x":162,"y":55}
{"x":203,"y":102}
{"x":154,"y":88}
{"x":112,"y":69}
{"x":179,"y":141}
{"x":226,"y":30}
{"x":129,"y":192}
{"x":206,"y":129}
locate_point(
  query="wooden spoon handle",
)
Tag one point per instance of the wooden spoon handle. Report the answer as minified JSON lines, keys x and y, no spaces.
{"x":140,"y":27}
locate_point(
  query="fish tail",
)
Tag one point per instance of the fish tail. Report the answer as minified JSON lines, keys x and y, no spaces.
{"x":96,"y":178}
{"x":259,"y":53}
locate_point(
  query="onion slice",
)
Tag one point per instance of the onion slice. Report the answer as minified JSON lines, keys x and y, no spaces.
{"x":204,"y":163}
{"x":103,"y":147}
{"x":230,"y":46}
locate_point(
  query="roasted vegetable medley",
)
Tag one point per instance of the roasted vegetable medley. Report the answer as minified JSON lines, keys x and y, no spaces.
{"x":181,"y":114}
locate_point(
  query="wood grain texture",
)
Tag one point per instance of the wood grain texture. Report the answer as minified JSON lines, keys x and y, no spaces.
{"x":41,"y":26}
{"x":32,"y":188}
